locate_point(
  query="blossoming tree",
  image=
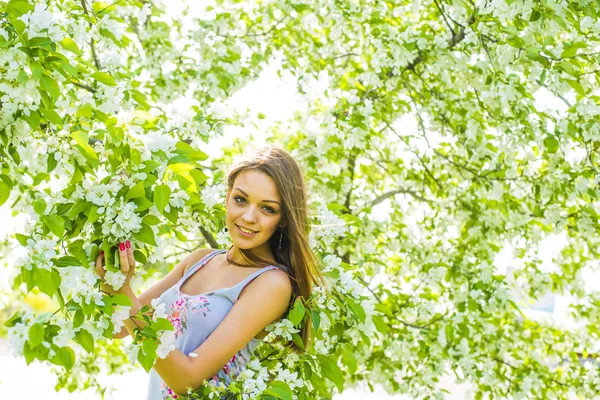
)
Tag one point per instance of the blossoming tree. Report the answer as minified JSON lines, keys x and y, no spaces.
{"x":433,"y":108}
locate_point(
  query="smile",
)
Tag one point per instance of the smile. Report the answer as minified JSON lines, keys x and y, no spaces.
{"x":246,"y":232}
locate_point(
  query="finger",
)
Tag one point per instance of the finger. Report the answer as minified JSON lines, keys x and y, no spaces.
{"x":99,"y":267}
{"x":130,"y":258}
{"x":123,"y":261}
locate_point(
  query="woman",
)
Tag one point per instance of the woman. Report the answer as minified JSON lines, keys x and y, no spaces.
{"x":221,"y":301}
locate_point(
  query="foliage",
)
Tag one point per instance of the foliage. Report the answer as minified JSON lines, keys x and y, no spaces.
{"x":434,"y":109}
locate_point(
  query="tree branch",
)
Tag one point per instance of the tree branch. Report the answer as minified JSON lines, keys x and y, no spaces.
{"x":209,"y":238}
{"x":439,"y":7}
{"x":92,"y":43}
{"x":392,"y":193}
{"x":247,"y":34}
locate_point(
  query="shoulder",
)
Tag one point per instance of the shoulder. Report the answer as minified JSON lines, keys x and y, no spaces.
{"x":275,"y":282}
{"x":196,"y":256}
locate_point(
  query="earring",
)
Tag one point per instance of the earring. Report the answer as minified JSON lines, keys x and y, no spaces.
{"x":226,"y":230}
{"x":280,"y":237}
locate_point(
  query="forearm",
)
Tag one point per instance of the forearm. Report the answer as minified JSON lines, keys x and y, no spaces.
{"x":176,"y":369}
{"x":132,"y":322}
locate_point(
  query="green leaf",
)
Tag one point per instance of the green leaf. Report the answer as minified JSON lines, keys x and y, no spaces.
{"x":67,"y":261}
{"x":332,"y":372}
{"x":37,"y":70}
{"x":40,"y":41}
{"x":135,"y":191}
{"x":47,"y":281}
{"x":15,"y":319}
{"x":21,"y":238}
{"x":162,"y":193}
{"x":4,"y":192}
{"x":279,"y":389}
{"x":50,"y":86}
{"x":85,"y":111}
{"x":162,"y":324}
{"x":297,"y":312}
{"x":70,"y":45}
{"x":298,"y":340}
{"x":85,"y":339}
{"x":380,"y":324}
{"x":349,"y":359}
{"x":36,"y":335}
{"x":145,"y":360}
{"x":51,"y":116}
{"x":145,"y":235}
{"x":56,"y":224}
{"x":576,"y":86}
{"x":198,"y":176}
{"x":104,"y":78}
{"x":151,"y":220}
{"x":357,"y":309}
{"x":64,"y":356}
{"x":384,"y":309}
{"x":571,"y":50}
{"x":19,"y":25}
{"x":316,"y":319}
{"x":121,"y":299}
{"x":78,"y":318}
{"x":149,"y":347}
{"x":39,"y":205}
{"x":82,"y":140}
{"x":551,"y":144}
{"x":142,"y":204}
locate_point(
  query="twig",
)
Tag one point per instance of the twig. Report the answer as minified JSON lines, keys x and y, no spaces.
{"x":86,"y":87}
{"x":92,"y":43}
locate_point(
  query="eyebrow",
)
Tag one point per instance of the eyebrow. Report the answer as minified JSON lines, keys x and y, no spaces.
{"x":264,"y":201}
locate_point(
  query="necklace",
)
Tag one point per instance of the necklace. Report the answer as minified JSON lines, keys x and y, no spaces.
{"x":230,"y":261}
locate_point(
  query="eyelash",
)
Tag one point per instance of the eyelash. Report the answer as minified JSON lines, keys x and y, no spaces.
{"x":272,"y":210}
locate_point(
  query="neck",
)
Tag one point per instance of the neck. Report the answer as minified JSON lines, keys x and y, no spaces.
{"x":236,"y":258}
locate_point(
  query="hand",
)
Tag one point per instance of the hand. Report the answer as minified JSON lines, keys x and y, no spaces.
{"x":127,"y":264}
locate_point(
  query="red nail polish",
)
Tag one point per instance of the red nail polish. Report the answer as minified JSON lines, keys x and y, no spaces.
{"x":101,"y":252}
{"x":122,"y":246}
{"x":127,"y":244}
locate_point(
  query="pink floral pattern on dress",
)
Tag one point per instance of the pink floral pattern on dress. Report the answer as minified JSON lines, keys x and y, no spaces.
{"x":183,"y":306}
{"x":167,"y":393}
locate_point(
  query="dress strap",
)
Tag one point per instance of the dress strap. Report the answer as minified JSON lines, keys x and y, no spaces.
{"x":235,"y":291}
{"x":202,"y":263}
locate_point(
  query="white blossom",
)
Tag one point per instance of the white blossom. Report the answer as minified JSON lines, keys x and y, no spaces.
{"x":283,"y":328}
{"x":120,"y":314}
{"x":115,"y":279}
{"x":212,"y":195}
{"x":167,"y":344}
{"x":159,"y":309}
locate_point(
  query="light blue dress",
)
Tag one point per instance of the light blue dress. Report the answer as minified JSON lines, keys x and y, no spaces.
{"x":195,"y":318}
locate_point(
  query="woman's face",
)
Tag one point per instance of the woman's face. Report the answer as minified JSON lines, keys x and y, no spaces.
{"x":253,"y":204}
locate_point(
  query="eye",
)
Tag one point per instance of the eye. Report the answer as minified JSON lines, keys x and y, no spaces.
{"x":270,"y":210}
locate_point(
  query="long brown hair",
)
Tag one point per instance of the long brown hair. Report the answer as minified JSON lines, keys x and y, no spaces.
{"x":300,"y":263}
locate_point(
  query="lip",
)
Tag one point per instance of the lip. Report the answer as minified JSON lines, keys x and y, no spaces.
{"x":246,"y":234}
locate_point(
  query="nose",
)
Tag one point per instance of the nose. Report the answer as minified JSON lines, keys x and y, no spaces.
{"x":249,"y":216}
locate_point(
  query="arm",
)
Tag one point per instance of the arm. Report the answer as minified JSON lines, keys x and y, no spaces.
{"x":158,"y":288}
{"x":264,"y":300}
